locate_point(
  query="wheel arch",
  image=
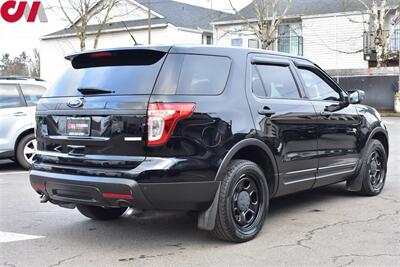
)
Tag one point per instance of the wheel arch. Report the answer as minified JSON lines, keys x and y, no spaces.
{"x":380,"y":135}
{"x":256,"y":151}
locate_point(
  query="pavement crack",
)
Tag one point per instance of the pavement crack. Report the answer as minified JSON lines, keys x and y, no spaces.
{"x":9,"y":264}
{"x":347,"y":263}
{"x":390,"y":199}
{"x":336,"y":258}
{"x":65,"y":260}
{"x":309,"y":235}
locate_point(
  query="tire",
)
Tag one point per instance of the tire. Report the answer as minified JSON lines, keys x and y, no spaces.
{"x":99,"y":213}
{"x":373,"y":174}
{"x":234,"y":200}
{"x":25,"y":145}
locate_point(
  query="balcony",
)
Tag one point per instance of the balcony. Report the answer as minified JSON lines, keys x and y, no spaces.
{"x":291,"y":44}
{"x":370,"y":48}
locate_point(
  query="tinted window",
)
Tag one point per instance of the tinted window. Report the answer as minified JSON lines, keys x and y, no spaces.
{"x":137,"y":78}
{"x":9,"y":96}
{"x":316,"y":88}
{"x":193,"y":75}
{"x":32,"y":93}
{"x":273,"y":82}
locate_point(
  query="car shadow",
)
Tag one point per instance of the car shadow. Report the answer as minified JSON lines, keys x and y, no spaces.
{"x":154,"y":229}
{"x":9,"y":165}
{"x":309,"y":199}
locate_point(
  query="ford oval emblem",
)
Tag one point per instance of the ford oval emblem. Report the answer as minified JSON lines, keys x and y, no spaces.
{"x":75,"y":103}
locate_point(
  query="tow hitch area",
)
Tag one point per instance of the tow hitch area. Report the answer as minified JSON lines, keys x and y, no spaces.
{"x":44,"y":199}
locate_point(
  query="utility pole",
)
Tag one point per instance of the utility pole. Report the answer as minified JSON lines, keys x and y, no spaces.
{"x":149,"y":22}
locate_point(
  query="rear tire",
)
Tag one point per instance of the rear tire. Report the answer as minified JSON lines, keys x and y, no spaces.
{"x":100,"y":213}
{"x":243,"y":202}
{"x":26,"y":151}
{"x":374,"y":169}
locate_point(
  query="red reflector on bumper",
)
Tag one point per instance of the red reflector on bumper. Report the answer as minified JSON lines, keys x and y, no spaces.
{"x":120,"y":196}
{"x":40,"y":187}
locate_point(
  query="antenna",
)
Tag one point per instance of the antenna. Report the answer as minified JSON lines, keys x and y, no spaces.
{"x":133,"y":38}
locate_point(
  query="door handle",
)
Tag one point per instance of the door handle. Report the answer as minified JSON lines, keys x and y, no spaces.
{"x":266,"y":112}
{"x":19,"y":114}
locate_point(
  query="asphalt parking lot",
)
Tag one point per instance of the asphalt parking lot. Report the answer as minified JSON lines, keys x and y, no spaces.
{"x":328,"y":226}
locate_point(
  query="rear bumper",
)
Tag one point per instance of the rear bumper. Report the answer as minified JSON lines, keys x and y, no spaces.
{"x":117,"y":192}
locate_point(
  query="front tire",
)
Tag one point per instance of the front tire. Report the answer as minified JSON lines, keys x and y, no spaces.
{"x":100,"y":213}
{"x":26,"y":151}
{"x":243,"y":202}
{"x":374,"y":169}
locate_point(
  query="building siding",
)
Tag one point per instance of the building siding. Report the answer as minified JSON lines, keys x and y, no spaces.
{"x":331,"y":41}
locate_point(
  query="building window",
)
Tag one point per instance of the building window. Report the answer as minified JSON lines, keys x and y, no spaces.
{"x":209,"y":39}
{"x":254,"y":43}
{"x":290,"y":39}
{"x":395,"y":39}
{"x":236,"y":41}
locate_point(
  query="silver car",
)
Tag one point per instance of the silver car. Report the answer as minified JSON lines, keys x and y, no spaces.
{"x":18,"y":98}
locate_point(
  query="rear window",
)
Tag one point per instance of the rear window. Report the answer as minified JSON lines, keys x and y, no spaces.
{"x":32,"y":93}
{"x":193,"y":75}
{"x":122,"y":72}
{"x":9,"y":96}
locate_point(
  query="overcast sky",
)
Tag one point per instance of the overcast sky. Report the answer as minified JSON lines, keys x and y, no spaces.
{"x":23,"y":36}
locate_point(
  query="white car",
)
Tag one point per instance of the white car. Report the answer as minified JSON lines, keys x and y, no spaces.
{"x":18,"y":98}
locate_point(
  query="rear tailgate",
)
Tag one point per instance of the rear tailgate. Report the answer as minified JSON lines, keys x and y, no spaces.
{"x":94,"y":117}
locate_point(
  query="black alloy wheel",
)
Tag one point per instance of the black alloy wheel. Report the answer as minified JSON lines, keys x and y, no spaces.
{"x":376,"y":169}
{"x":246,"y":201}
{"x":242,"y":203}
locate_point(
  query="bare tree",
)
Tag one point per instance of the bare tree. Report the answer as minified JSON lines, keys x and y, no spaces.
{"x":378,"y":11}
{"x":35,"y":63}
{"x":18,"y":66}
{"x":80,"y":13}
{"x":378,"y":27}
{"x":269,"y":15}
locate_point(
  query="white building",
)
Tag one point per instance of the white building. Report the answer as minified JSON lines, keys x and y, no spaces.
{"x":172,"y":22}
{"x":329,"y":32}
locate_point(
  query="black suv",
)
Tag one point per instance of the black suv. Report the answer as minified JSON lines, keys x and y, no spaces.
{"x":216,"y":130}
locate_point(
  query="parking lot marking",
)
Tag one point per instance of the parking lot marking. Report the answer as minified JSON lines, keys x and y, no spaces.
{"x":9,"y":173}
{"x":6,"y":237}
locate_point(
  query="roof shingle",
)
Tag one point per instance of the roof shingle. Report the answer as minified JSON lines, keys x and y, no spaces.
{"x":176,"y":13}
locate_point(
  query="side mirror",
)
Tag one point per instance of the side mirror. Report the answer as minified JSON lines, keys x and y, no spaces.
{"x":356,"y":97}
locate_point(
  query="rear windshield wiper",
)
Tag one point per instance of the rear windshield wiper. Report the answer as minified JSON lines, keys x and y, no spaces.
{"x":94,"y":91}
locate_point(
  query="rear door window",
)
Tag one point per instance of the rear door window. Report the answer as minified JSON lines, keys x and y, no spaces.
{"x":9,"y":96}
{"x":272,"y":81}
{"x":32,"y":93}
{"x":193,"y":75}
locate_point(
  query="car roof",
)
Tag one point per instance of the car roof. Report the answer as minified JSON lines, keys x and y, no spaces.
{"x":194,"y":49}
{"x":22,"y":80}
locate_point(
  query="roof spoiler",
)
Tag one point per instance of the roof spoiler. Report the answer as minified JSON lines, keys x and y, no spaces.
{"x":164,"y":49}
{"x":139,"y":55}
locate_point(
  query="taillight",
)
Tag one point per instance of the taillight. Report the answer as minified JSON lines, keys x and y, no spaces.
{"x":162,"y":119}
